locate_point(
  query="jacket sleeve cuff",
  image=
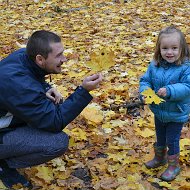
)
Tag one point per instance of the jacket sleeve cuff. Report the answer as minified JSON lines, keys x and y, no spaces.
{"x":82,"y":91}
{"x":168,"y":92}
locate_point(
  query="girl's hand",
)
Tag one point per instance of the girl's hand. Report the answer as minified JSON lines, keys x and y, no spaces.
{"x":162,"y":92}
{"x":54,"y":95}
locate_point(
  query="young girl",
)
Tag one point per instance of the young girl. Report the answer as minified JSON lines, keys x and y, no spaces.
{"x":169,"y":76}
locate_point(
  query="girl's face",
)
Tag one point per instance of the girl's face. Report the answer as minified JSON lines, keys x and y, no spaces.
{"x":170,"y":47}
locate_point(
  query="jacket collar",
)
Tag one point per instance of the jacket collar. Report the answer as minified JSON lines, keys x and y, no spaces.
{"x":166,"y":64}
{"x":35,"y":69}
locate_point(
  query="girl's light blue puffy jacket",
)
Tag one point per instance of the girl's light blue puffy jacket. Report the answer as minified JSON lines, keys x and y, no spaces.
{"x":176,"y":80}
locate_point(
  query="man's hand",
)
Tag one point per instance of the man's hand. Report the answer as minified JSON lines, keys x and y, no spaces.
{"x":162,"y":92}
{"x":54,"y":95}
{"x":92,"y":82}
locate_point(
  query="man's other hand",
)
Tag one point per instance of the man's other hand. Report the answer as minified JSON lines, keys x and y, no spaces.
{"x":54,"y":95}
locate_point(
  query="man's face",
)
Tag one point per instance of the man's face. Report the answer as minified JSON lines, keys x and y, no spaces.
{"x":55,"y":59}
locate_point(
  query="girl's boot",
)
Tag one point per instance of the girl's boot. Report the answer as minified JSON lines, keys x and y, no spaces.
{"x":160,"y":157}
{"x":173,"y":168}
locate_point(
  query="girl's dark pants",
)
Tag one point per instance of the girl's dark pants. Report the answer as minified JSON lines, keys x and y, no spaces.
{"x":168,"y":134}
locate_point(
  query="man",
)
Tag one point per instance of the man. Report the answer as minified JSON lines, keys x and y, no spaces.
{"x":31,"y":113}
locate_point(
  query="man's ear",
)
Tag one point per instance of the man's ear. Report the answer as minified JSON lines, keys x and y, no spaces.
{"x":40,"y":61}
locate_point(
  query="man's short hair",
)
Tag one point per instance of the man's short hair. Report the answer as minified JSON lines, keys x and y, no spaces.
{"x":39,"y":43}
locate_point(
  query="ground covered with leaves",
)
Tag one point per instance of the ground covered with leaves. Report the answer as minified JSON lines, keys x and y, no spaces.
{"x":108,"y":141}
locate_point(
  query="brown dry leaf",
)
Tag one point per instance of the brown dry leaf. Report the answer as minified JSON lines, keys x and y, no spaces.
{"x":109,"y":183}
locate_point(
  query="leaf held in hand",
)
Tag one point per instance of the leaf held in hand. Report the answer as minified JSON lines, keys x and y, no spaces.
{"x":151,"y":97}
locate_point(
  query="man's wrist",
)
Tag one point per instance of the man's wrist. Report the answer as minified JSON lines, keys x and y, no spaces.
{"x":81,"y":88}
{"x":82,"y":91}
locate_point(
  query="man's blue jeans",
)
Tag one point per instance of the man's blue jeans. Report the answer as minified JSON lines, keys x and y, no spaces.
{"x":26,"y":146}
{"x":168,"y":134}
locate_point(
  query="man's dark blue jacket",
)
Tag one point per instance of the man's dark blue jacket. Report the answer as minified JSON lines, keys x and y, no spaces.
{"x":23,"y":98}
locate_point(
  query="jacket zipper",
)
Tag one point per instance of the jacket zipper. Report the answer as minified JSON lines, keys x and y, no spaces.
{"x":161,"y":105}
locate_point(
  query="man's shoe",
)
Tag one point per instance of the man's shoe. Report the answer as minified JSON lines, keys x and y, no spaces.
{"x":10,"y":176}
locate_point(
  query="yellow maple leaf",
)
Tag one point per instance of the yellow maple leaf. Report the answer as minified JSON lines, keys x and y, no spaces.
{"x":63,"y":90}
{"x":146,"y":133}
{"x":151,"y":97}
{"x":72,"y":142}
{"x":164,"y":184}
{"x":79,"y":133}
{"x":184,"y":142}
{"x":76,"y":74}
{"x":118,"y":157}
{"x":101,"y":60}
{"x":107,"y":126}
{"x":184,"y":152}
{"x":93,"y":114}
{"x":132,"y":73}
{"x":140,"y":122}
{"x":44,"y":173}
{"x":2,"y":187}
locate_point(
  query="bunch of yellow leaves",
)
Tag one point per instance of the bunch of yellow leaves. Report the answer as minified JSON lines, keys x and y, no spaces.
{"x":151,"y":97}
{"x":101,"y":60}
